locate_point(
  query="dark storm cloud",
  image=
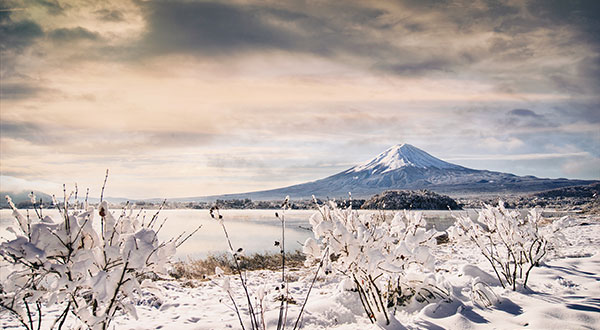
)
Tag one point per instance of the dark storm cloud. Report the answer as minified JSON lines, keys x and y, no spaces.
{"x":72,"y":34}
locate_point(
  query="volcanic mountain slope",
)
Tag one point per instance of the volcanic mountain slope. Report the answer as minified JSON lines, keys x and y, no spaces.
{"x":404,"y":166}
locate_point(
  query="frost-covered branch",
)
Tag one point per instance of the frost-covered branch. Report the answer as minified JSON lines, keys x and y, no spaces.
{"x":94,"y":275}
{"x":377,"y":254}
{"x":510,"y":242}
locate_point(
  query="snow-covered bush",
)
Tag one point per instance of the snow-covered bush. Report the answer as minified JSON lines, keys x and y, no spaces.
{"x":512,"y":244}
{"x":90,"y":269}
{"x":386,"y":260}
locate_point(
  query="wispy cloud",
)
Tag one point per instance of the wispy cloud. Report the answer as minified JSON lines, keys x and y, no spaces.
{"x":520,"y":156}
{"x":72,"y":34}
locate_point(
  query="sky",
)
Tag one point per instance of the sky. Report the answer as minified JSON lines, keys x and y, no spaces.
{"x":187,"y":98}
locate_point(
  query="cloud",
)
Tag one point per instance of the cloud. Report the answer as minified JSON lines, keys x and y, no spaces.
{"x":166,"y":83}
{"x":13,"y":184}
{"x":576,"y":111}
{"x":406,"y":39}
{"x":52,"y":6}
{"x":417,"y":67}
{"x":34,"y":133}
{"x":503,"y":144}
{"x":527,"y":119}
{"x":232,"y":29}
{"x":524,"y":113}
{"x":110,"y":15}
{"x":81,"y":139}
{"x":18,"y":35}
{"x":588,"y":167}
{"x":582,"y":14}
{"x":14,"y":91}
{"x":534,"y":156}
{"x":72,"y":34}
{"x":208,"y":27}
{"x":176,"y":138}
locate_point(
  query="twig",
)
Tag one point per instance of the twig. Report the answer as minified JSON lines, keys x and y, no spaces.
{"x":103,"y":186}
{"x":383,"y":307}
{"x":251,"y":313}
{"x":312,"y":283}
{"x":280,"y":321}
{"x":108,"y":312}
{"x":188,"y":236}
{"x":28,"y":314}
{"x":155,"y":216}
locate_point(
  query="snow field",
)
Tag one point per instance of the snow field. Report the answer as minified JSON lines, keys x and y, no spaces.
{"x":563,"y":294}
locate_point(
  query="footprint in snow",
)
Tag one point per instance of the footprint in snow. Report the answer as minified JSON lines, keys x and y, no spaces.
{"x":193,"y":319}
{"x":167,"y":306}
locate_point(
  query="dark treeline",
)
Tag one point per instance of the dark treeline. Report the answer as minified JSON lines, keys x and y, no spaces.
{"x":583,"y":198}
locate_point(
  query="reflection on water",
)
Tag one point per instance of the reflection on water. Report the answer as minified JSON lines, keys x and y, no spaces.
{"x":252,"y":230}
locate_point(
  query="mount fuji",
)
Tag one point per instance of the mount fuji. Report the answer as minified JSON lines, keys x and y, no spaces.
{"x":404,"y":166}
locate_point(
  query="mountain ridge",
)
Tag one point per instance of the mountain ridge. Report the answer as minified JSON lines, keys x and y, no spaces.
{"x":400,"y":167}
{"x":406,"y":167}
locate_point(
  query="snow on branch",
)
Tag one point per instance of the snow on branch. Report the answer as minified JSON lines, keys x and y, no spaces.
{"x":89,"y":273}
{"x":386,"y":260}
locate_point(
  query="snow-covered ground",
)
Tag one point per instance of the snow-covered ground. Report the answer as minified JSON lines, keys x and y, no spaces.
{"x":563,"y":293}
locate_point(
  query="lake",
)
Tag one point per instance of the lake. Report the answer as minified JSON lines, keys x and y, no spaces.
{"x":252,"y":230}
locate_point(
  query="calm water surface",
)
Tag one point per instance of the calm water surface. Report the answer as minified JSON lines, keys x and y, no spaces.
{"x":252,"y":230}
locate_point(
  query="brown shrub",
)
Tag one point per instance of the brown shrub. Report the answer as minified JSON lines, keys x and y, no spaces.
{"x":201,"y":268}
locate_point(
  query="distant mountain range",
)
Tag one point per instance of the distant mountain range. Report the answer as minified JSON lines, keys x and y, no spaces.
{"x":401,"y":167}
{"x":404,"y":166}
{"x":22,"y":198}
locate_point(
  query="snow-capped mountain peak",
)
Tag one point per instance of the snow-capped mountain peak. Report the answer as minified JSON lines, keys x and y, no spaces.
{"x":402,"y":155}
{"x":404,"y":166}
